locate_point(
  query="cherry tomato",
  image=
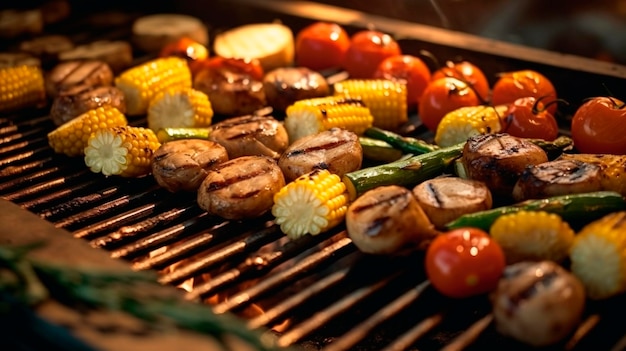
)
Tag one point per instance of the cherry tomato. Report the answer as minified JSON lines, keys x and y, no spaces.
{"x":186,"y":48}
{"x":321,"y":45}
{"x":513,"y":85}
{"x":442,"y":96}
{"x":467,"y":72}
{"x":464,"y":262}
{"x":528,"y":117}
{"x":368,"y":48}
{"x":408,"y":69}
{"x":250,"y":67}
{"x":598,"y":126}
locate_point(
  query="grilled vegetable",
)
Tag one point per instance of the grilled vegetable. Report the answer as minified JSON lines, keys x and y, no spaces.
{"x":406,"y":144}
{"x":388,"y":220}
{"x":532,"y":235}
{"x":75,"y":101}
{"x":612,"y":168}
{"x":386,"y":99}
{"x":142,"y":83}
{"x":71,"y":137}
{"x":446,"y":198}
{"x":311,"y":116}
{"x":457,"y":126}
{"x":405,"y":172}
{"x":21,"y":86}
{"x":311,"y":204}
{"x":499,"y":160}
{"x":69,"y":74}
{"x":179,"y":108}
{"x":598,"y":256}
{"x":569,"y":207}
{"x":169,"y":134}
{"x":378,"y":150}
{"x":125,"y":151}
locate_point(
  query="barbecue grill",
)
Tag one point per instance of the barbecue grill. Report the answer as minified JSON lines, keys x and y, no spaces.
{"x":317,"y":292}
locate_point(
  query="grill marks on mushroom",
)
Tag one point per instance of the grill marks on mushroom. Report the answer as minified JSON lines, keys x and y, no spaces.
{"x":78,"y":99}
{"x":71,"y":73}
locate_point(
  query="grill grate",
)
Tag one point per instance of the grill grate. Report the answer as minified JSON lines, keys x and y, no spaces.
{"x":316,"y":292}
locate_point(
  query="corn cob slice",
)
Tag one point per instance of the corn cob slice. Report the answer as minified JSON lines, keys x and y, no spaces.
{"x":532,"y":235}
{"x":142,"y":83}
{"x":21,"y":86}
{"x":387,"y":100}
{"x":612,"y":167}
{"x":179,"y":108}
{"x":71,"y":137}
{"x":311,"y":116}
{"x":457,"y":126}
{"x":311,"y":204}
{"x":598,"y":256}
{"x":125,"y":151}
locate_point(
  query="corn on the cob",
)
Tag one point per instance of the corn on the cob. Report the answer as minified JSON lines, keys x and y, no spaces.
{"x":311,"y":116}
{"x":457,"y":126}
{"x":142,"y":83}
{"x":71,"y":137}
{"x":125,"y":151}
{"x":598,"y":256}
{"x":179,"y":108}
{"x":612,"y":169}
{"x":387,"y":100}
{"x":311,"y":204}
{"x":532,"y":235}
{"x":21,"y":86}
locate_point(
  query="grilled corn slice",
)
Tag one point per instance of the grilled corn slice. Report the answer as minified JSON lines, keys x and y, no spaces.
{"x":311,"y":116}
{"x":387,"y":100}
{"x":311,"y":204}
{"x":142,"y":83}
{"x":179,"y":108}
{"x":457,"y":126}
{"x":612,"y":169}
{"x":532,"y":235}
{"x":21,"y":86}
{"x":598,"y":256}
{"x":71,"y":137}
{"x":125,"y":151}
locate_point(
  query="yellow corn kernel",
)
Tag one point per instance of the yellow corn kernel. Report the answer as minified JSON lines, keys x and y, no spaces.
{"x":612,"y":169}
{"x":179,"y":108}
{"x":125,"y":151}
{"x":71,"y":137}
{"x":311,"y":204}
{"x":598,"y":256}
{"x":532,"y":235}
{"x":311,"y":116}
{"x":387,"y":100}
{"x":457,"y":126}
{"x":140,"y":84}
{"x":21,"y":86}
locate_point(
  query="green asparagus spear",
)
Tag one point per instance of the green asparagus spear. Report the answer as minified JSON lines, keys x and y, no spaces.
{"x":406,"y":144}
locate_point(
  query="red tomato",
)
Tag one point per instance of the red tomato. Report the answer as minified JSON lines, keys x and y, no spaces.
{"x":528,"y":117}
{"x":513,"y":85}
{"x":464,"y":262}
{"x":251,"y":67}
{"x":407,"y":69}
{"x":185,"y":48}
{"x":321,"y":45}
{"x":368,"y":48}
{"x":442,"y":96}
{"x":598,"y":126}
{"x":467,"y":72}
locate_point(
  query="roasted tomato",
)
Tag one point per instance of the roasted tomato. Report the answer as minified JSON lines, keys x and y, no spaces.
{"x":464,"y":262}
{"x":186,"y":48}
{"x":368,"y":48}
{"x":528,"y":117}
{"x":467,"y":72}
{"x":442,"y":96}
{"x":250,"y":67}
{"x":513,"y":85}
{"x":408,"y":69}
{"x":321,"y":45}
{"x":598,"y":126}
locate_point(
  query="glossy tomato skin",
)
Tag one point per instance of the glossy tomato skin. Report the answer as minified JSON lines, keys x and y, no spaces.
{"x":368,"y":48}
{"x":527,"y":118}
{"x":442,"y":96}
{"x":250,"y":67}
{"x":321,"y":45}
{"x":598,"y":126}
{"x":464,"y":262}
{"x":467,"y":72}
{"x":513,"y":85}
{"x":186,"y":48}
{"x":408,"y":69}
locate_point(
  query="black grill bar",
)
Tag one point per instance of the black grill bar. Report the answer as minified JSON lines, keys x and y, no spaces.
{"x":404,"y":341}
{"x":44,"y":205}
{"x":35,"y":190}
